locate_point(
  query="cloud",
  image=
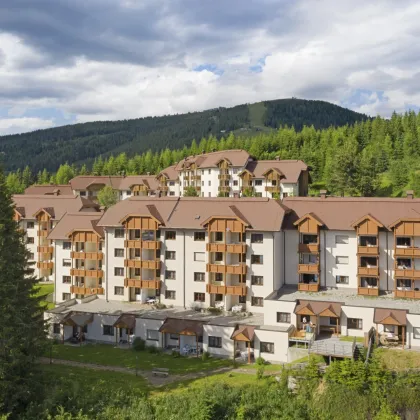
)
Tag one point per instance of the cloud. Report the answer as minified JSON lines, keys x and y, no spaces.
{"x":117,"y":59}
{"x":19,"y":125}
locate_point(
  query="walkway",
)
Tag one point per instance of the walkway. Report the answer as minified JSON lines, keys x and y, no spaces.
{"x":332,"y":347}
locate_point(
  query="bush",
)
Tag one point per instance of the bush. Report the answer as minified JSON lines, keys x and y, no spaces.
{"x":159,"y":305}
{"x":175,"y":354}
{"x":260,"y":372}
{"x":205,"y":356}
{"x":139,"y":344}
{"x":214,"y":311}
{"x":153,"y":350}
{"x":260,"y":361}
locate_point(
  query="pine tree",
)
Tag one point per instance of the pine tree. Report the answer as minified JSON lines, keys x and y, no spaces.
{"x":64,"y":174}
{"x":26,"y":177}
{"x":22,"y":328}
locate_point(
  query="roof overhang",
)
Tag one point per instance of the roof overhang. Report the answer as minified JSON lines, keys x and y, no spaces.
{"x":79,"y":319}
{"x":309,"y":216}
{"x":390,"y":317}
{"x":83,"y":230}
{"x":131,"y":215}
{"x":367,"y":217}
{"x":399,"y":221}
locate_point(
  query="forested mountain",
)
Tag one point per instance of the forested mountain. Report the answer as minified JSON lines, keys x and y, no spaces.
{"x":82,"y":143}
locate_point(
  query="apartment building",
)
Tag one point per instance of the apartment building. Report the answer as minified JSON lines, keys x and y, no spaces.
{"x":37,"y":216}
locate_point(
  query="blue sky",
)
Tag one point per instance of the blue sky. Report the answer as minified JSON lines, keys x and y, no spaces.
{"x":65,"y":62}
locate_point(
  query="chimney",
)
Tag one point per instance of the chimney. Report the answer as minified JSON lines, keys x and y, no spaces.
{"x":277,"y":157}
{"x":323,"y":193}
{"x":410,"y":194}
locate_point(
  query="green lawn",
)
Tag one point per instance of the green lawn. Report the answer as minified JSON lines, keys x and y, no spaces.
{"x":278,"y":367}
{"x":104,"y":354}
{"x":398,"y":359}
{"x":44,"y":291}
{"x":358,"y":339}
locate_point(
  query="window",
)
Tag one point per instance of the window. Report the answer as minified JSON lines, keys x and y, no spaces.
{"x":119,"y":233}
{"x":283,"y":317}
{"x":341,"y":239}
{"x":215,"y":342}
{"x":171,"y":183}
{"x":108,"y":330}
{"x":266,"y":347}
{"x":67,"y":245}
{"x":199,"y":276}
{"x":403,"y":241}
{"x":416,"y":332}
{"x":170,"y":294}
{"x":170,"y":235}
{"x":257,"y":280}
{"x":171,"y":192}
{"x":128,"y":192}
{"x":218,"y":256}
{"x":218,"y":297}
{"x":209,"y":171}
{"x":66,"y":279}
{"x":174,"y":336}
{"x":285,"y":195}
{"x":170,"y":275}
{"x":218,"y":276}
{"x":118,"y":290}
{"x":258,"y":194}
{"x":256,"y":259}
{"x":30,"y":240}
{"x":334,"y":321}
{"x":170,"y":255}
{"x":235,"y":171}
{"x":66,"y":296}
{"x":258,"y":182}
{"x":56,"y":328}
{"x":257,"y":238}
{"x":199,"y":297}
{"x":199,"y":236}
{"x":235,"y":183}
{"x":199,"y":256}
{"x":342,"y":279}
{"x":152,"y":335}
{"x":218,"y":237}
{"x":66,"y":262}
{"x":209,"y":183}
{"x":257,"y":301}
{"x":341,"y":260}
{"x":30,"y":225}
{"x":354,"y":323}
{"x":31,"y":256}
{"x":119,"y":271}
{"x":242,"y":299}
{"x":82,"y":193}
{"x":118,"y":252}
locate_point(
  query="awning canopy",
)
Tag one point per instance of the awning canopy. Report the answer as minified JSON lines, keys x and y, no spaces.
{"x":79,"y":319}
{"x":390,"y":317}
{"x":182,"y":327}
{"x":243,"y":333}
{"x":125,"y":321}
{"x":318,"y":308}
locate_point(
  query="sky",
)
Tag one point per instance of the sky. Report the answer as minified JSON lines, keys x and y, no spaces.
{"x":70,"y":61}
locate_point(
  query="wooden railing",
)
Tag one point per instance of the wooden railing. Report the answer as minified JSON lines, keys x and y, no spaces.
{"x":97,"y":256}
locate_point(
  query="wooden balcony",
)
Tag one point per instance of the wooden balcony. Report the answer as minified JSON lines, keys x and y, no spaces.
{"x":142,"y":284}
{"x":81,"y":290}
{"x":224,"y":177}
{"x":227,"y":290}
{"x":368,"y":291}
{"x":231,"y":248}
{"x":308,"y":268}
{"x":45,"y":265}
{"x":195,"y":178}
{"x":407,"y":273}
{"x":45,"y":249}
{"x":273,"y":188}
{"x":407,"y":252}
{"x":150,"y":264}
{"x":97,"y":256}
{"x":409,"y":294}
{"x":368,"y":271}
{"x":308,"y":287}
{"x":139,"y":244}
{"x":227,"y":269}
{"x":308,"y":248}
{"x":86,"y":273}
{"x":368,"y":250}
{"x":216,"y":247}
{"x":43,"y":233}
{"x":224,"y":188}
{"x":163,"y":188}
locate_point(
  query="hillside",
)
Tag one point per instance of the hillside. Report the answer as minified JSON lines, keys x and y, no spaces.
{"x":81,"y":143}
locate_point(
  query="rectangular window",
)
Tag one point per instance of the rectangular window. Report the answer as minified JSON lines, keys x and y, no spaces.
{"x":119,"y":233}
{"x":218,"y":256}
{"x":258,"y":182}
{"x":118,"y":290}
{"x":30,"y":240}
{"x":334,"y":321}
{"x":199,"y":276}
{"x":257,"y":280}
{"x":416,"y":332}
{"x":67,"y":245}
{"x":266,"y":347}
{"x":257,"y":301}
{"x":341,"y":260}
{"x":235,"y":171}
{"x":256,"y":259}
{"x":199,"y":256}
{"x":257,"y":238}
{"x":108,"y":330}
{"x":152,"y":335}
{"x":170,"y":294}
{"x":258,"y":194}
{"x":119,"y":252}
{"x":82,"y":193}
{"x":283,"y":317}
{"x":199,"y":297}
{"x":209,"y":183}
{"x":171,"y":183}
{"x":209,"y":171}
{"x":119,"y":271}
{"x":171,"y":192}
{"x":174,"y":336}
{"x":31,"y":256}
{"x":66,"y":279}
{"x":218,"y":276}
{"x":285,"y":195}
{"x":242,"y":299}
{"x":354,"y":323}
{"x":30,"y":225}
{"x":403,"y":242}
{"x":170,"y":235}
{"x":66,"y":296}
{"x":170,"y":255}
{"x":341,"y":239}
{"x":66,"y":263}
{"x":199,"y":236}
{"x":56,"y":328}
{"x":218,"y":237}
{"x":235,"y":183}
{"x":170,"y":275}
{"x":342,"y":279}
{"x":215,"y":342}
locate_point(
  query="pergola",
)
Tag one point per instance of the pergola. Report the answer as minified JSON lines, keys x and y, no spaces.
{"x":76,"y":319}
{"x":394,"y":317}
{"x":127,"y":321}
{"x":244,"y":333}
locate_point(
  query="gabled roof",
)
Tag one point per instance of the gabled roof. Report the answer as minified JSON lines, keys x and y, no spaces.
{"x":49,"y":190}
{"x":319,"y":308}
{"x":182,"y":326}
{"x":367,"y":217}
{"x":79,"y":319}
{"x":290,"y":169}
{"x":119,"y":183}
{"x":390,"y":316}
{"x":236,"y":157}
{"x":243,"y":333}
{"x":170,"y":173}
{"x":77,"y":222}
{"x":125,"y":321}
{"x":311,"y":216}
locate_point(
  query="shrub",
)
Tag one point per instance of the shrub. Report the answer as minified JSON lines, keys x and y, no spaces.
{"x":175,"y":354}
{"x":214,"y":311}
{"x":159,"y":305}
{"x":153,"y":350}
{"x":205,"y":356}
{"x":139,"y":344}
{"x":260,"y":372}
{"x":260,"y":361}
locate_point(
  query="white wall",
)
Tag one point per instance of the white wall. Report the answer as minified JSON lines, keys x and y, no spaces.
{"x":59,"y":271}
{"x":219,"y":331}
{"x":281,"y":345}
{"x":365,"y":314}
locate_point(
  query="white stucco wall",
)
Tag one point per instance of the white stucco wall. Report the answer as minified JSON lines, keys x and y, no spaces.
{"x":219,"y":331}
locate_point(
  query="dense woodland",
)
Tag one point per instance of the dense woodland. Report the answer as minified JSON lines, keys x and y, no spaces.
{"x":82,"y":143}
{"x":376,"y":157}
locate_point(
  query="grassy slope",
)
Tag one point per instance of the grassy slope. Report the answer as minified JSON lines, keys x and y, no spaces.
{"x":398,"y":359}
{"x":44,"y":291}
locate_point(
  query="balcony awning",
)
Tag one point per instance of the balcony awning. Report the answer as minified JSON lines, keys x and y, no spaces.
{"x":390,"y":317}
{"x":318,"y":308}
{"x":125,"y":321}
{"x":182,"y":327}
{"x":79,"y":319}
{"x":243,"y":333}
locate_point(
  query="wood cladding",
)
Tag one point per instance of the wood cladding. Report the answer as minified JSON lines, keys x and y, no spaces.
{"x":85,"y":237}
{"x":407,"y":228}
{"x":140,"y":222}
{"x":142,"y":284}
{"x":227,"y":290}
{"x":223,"y":225}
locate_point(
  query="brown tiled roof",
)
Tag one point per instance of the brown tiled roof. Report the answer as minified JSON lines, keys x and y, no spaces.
{"x":125,"y":321}
{"x":318,"y":307}
{"x":149,"y":180}
{"x":247,"y":331}
{"x":55,"y":205}
{"x":236,"y":157}
{"x":83,"y":221}
{"x":291,"y":169}
{"x":49,"y":190}
{"x":79,"y":319}
{"x":339,"y":213}
{"x":171,"y":173}
{"x":390,"y":316}
{"x":82,"y":182}
{"x":182,"y":326}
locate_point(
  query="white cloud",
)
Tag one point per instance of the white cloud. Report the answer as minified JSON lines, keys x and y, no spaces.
{"x":21,"y":125}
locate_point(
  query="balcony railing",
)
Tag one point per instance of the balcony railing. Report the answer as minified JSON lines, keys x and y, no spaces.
{"x":407,"y":273}
{"x":308,"y":248}
{"x":45,"y":265}
{"x":368,"y":291}
{"x":368,"y":271}
{"x":97,"y":256}
{"x":227,"y":269}
{"x":407,"y":252}
{"x":308,"y":268}
{"x":86,"y":273}
{"x":43,"y":233}
{"x":142,"y":284}
{"x":227,"y":290}
{"x":273,"y":188}
{"x":308,"y":287}
{"x":410,"y":294}
{"x":81,"y":290}
{"x":163,"y":188}
{"x":224,"y":188}
{"x":368,"y":250}
{"x":224,"y":177}
{"x":231,"y":248}
{"x":138,"y":243}
{"x":150,"y":264}
{"x":45,"y":249}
